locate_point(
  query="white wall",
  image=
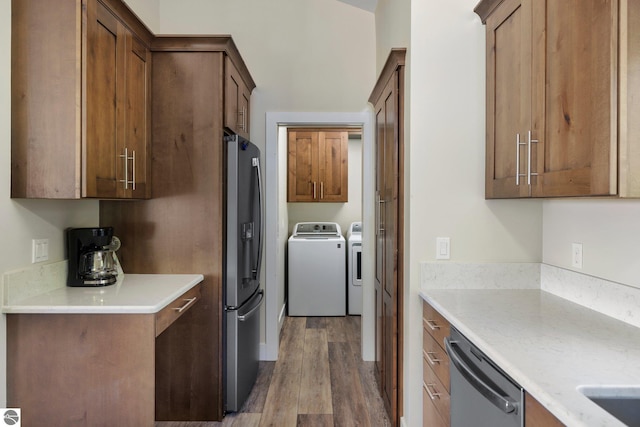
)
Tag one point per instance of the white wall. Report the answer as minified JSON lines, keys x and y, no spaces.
{"x":609,"y":231}
{"x":23,"y":220}
{"x":342,"y":213}
{"x":445,"y":166}
{"x":148,"y":11}
{"x":310,"y":55}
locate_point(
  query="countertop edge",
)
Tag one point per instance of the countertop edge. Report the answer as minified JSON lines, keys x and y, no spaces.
{"x":192,"y":280}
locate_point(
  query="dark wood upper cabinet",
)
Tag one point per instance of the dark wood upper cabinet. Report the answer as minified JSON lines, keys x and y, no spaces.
{"x":80,"y":100}
{"x":237,"y":97}
{"x":318,"y":165}
{"x":561,"y":118}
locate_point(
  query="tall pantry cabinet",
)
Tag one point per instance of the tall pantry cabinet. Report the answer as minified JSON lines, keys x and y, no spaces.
{"x":80,"y":100}
{"x":182,"y":228}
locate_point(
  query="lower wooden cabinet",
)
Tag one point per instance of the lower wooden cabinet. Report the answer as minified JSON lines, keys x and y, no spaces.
{"x":536,"y":415}
{"x":88,"y":369}
{"x":436,"y":410}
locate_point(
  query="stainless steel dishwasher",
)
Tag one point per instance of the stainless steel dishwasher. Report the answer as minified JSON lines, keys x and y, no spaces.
{"x":482,"y":395}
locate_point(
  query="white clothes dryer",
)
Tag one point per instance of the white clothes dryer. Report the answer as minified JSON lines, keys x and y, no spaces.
{"x":317,"y":270}
{"x":354,"y":269}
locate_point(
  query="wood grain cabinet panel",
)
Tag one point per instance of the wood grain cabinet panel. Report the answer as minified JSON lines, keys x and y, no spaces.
{"x":182,"y":228}
{"x":80,"y":100}
{"x":84,"y":369}
{"x":318,"y":165}
{"x":237,"y":97}
{"x":561,"y":118}
{"x":435,"y":368}
{"x":536,"y":415}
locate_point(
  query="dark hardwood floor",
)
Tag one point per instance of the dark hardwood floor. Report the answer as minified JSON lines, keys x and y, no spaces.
{"x":319,"y":380}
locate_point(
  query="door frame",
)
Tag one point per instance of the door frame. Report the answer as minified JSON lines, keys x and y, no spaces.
{"x":274,"y":250}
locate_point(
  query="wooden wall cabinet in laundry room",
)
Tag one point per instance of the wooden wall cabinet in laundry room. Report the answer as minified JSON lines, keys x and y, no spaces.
{"x":318,"y":165}
{"x":81,"y":76}
{"x":561,"y":120}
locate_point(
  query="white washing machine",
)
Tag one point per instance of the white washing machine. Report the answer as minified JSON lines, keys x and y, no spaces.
{"x":317,"y":270}
{"x":354,"y":269}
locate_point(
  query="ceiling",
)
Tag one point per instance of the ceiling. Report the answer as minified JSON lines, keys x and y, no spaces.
{"x":369,"y":5}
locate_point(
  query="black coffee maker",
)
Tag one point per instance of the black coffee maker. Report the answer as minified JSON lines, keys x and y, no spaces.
{"x":92,"y":260}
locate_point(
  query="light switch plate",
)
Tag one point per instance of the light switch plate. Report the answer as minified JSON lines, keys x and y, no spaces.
{"x":443,"y":248}
{"x":39,"y":250}
{"x":576,"y":255}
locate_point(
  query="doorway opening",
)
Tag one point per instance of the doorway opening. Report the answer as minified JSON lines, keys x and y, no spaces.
{"x":277,"y":220}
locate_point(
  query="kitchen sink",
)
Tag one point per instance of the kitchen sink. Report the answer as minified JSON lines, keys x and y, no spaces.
{"x":623,"y":402}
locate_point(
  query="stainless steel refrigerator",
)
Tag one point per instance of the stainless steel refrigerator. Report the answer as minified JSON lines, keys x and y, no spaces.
{"x":242,"y":294}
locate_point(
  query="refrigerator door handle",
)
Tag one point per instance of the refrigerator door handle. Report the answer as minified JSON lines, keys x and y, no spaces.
{"x":256,"y":163}
{"x":253,"y":309}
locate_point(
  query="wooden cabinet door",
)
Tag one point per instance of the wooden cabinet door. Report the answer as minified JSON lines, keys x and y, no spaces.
{"x":318,"y":165}
{"x":137,"y":120}
{"x":508,"y":99}
{"x":333,"y":166}
{"x":577,"y":57}
{"x":302,"y":181}
{"x":236,"y":102}
{"x":104,"y":93}
{"x":536,"y":415}
{"x":388,"y":222}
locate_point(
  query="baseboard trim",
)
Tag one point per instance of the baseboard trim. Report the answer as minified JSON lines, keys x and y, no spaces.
{"x":402,"y":422}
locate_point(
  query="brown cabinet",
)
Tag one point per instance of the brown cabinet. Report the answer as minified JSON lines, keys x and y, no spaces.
{"x":181,"y":229}
{"x":536,"y":415}
{"x":387,"y":99}
{"x":559,"y":80}
{"x":237,"y":98}
{"x":80,"y":100}
{"x":87,"y":369}
{"x":435,"y":369}
{"x":318,"y":165}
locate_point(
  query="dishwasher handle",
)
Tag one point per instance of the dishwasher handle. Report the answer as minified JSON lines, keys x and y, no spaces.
{"x":504,"y":404}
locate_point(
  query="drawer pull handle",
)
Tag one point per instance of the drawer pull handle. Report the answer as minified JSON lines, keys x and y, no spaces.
{"x":433,"y":362}
{"x":432,"y":324}
{"x":433,"y":395}
{"x":185,"y":305}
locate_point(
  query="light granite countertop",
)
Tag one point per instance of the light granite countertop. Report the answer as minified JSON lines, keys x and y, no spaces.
{"x":135,"y":293}
{"x":547,"y":344}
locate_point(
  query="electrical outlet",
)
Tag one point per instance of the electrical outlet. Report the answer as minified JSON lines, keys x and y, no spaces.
{"x":576,"y":255}
{"x":39,"y":250}
{"x":443,"y":248}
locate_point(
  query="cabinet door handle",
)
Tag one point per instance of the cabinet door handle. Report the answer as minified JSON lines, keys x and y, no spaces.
{"x":126,"y":159}
{"x":321,"y":190}
{"x":184,"y":306}
{"x":518,"y":144}
{"x":433,"y":395}
{"x":243,"y":121}
{"x":380,"y":227}
{"x":432,"y":324}
{"x":433,"y":362}
{"x":529,"y":173}
{"x":133,"y":172}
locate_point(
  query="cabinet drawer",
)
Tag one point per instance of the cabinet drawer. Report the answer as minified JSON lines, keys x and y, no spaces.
{"x":435,"y":357}
{"x":436,"y":325}
{"x":176,"y":308}
{"x":437,"y":394}
{"x":430,"y":415}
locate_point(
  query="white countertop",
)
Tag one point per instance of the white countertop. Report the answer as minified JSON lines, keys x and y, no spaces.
{"x":136,"y":293}
{"x":547,"y":344}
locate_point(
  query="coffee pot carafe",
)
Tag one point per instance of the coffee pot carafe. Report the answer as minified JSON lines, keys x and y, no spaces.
{"x":92,"y":259}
